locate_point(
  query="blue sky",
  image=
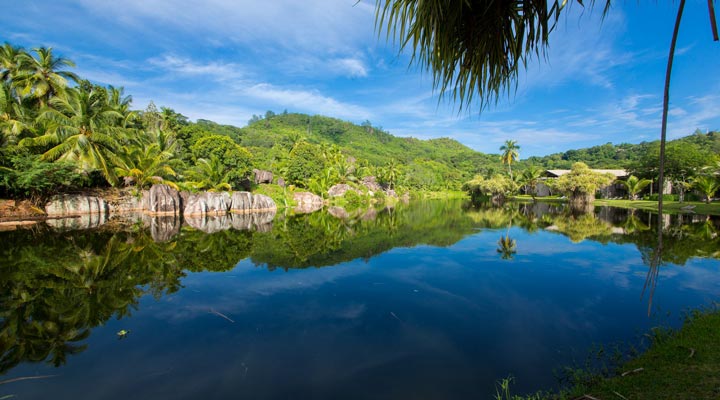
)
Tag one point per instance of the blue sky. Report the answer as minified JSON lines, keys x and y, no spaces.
{"x":225,"y":60}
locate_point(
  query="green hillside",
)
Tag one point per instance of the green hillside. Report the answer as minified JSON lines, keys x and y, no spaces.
{"x":426,"y":164}
{"x":695,"y":148}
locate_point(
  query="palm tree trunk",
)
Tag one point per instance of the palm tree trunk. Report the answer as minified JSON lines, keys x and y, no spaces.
{"x":666,"y":101}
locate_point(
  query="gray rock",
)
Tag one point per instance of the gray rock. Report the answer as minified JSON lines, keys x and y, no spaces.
{"x":281,"y":182}
{"x":371,"y":183}
{"x":260,"y":202}
{"x":340,"y":189}
{"x":262,"y":176}
{"x":208,"y":203}
{"x":263,"y":221}
{"x":67,"y":205}
{"x":241,"y":202}
{"x":164,"y":200}
{"x":126,"y":203}
{"x":307,"y":202}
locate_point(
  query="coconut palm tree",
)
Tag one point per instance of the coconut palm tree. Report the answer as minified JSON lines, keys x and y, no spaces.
{"x":41,"y":76}
{"x":209,"y":174}
{"x":83,"y":129}
{"x":634,"y":186}
{"x":12,"y":59}
{"x":531,"y":177}
{"x":145,"y":166}
{"x":706,"y":184}
{"x":510,"y":154}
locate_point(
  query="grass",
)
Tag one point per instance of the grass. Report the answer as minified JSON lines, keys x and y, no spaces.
{"x":669,"y":207}
{"x":682,"y":364}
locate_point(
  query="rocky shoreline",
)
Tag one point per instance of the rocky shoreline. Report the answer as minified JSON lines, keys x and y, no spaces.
{"x":90,"y":210}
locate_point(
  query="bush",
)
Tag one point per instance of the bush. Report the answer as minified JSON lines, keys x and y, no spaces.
{"x":666,"y":197}
{"x":33,"y":178}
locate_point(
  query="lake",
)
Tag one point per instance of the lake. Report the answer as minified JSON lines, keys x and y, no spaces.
{"x":432,"y":300}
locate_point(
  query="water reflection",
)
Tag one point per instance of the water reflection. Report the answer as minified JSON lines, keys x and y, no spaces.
{"x":56,"y":285}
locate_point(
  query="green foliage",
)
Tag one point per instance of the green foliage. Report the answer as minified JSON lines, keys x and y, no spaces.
{"x":635,"y":185}
{"x":582,"y":181}
{"x":707,"y":185}
{"x":305,"y":162}
{"x":30,"y":176}
{"x":497,"y":185}
{"x":235,"y":160}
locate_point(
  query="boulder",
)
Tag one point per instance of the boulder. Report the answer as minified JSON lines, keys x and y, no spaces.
{"x":77,"y":204}
{"x":241,"y":202}
{"x":281,"y":182}
{"x":339,"y":190}
{"x":307,"y":202}
{"x":208,"y":203}
{"x":163,"y":199}
{"x":262,"y":176}
{"x":260,"y":202}
{"x":391,"y":193}
{"x":370,"y":183}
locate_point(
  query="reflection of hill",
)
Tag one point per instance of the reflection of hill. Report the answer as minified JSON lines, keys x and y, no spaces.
{"x":319,"y":239}
{"x":55,"y":287}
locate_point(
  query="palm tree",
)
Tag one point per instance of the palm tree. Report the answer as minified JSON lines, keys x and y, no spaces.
{"x":209,"y":174}
{"x":145,"y":166}
{"x":634,"y":186}
{"x":510,"y":154}
{"x":11,"y":61}
{"x":82,"y":129}
{"x":40,"y":77}
{"x":391,"y":173}
{"x":531,"y":177}
{"x":706,"y":184}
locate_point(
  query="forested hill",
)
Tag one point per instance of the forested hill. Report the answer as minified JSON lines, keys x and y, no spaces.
{"x":696,"y":147}
{"x":432,"y":163}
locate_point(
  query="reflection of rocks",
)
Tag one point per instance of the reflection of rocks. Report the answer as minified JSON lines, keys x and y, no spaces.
{"x":405,"y":198}
{"x":338,"y":212}
{"x":369,"y":215}
{"x":163,"y":199}
{"x":164,"y":227}
{"x":87,"y":221}
{"x":262,"y":222}
{"x":307,"y":202}
{"x":208,"y":203}
{"x":209,"y":224}
{"x":76,"y":205}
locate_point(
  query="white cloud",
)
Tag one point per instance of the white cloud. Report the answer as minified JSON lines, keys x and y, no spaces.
{"x":352,"y":67}
{"x":306,"y":100}
{"x":215,"y":70}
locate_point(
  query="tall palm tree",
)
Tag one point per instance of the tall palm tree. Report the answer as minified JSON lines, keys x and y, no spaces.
{"x":82,"y":128}
{"x":634,"y":186}
{"x":41,"y":76}
{"x":12,"y":59}
{"x":510,"y":154}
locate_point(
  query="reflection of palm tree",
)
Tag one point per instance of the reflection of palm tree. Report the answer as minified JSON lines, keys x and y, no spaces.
{"x":507,"y":247}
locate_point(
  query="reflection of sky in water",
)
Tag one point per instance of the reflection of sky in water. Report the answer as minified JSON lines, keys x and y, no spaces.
{"x":423,"y":322}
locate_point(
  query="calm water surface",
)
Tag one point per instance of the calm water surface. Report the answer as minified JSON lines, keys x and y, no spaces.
{"x":433,"y":300}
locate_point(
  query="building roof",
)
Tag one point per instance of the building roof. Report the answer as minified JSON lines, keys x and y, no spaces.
{"x":618,"y":173}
